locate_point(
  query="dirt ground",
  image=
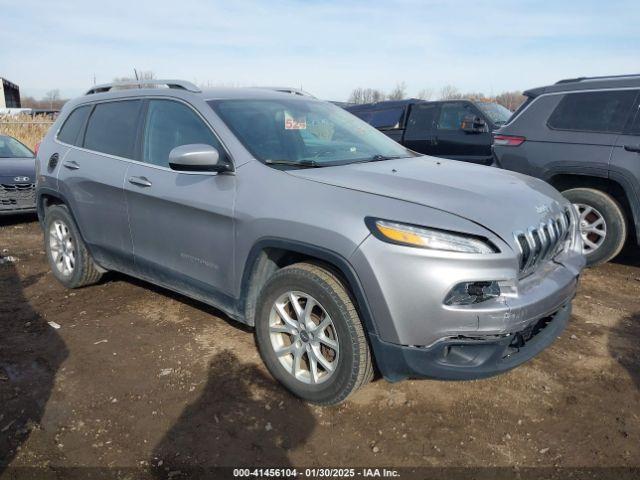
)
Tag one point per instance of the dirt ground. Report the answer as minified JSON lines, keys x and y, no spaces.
{"x":137,"y":376}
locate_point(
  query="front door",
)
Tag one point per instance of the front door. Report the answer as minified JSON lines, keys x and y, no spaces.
{"x":181,"y":222}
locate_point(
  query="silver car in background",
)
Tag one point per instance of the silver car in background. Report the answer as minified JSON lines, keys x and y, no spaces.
{"x":344,"y":250}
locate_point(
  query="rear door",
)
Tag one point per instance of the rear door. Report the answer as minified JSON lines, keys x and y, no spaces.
{"x":453,"y":142}
{"x":625,"y":158}
{"x":181,"y":222}
{"x":91,"y":175}
{"x":419,"y":131}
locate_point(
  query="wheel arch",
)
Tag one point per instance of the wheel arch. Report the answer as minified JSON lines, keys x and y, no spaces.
{"x":47,"y":198}
{"x":618,"y":187}
{"x":271,"y":254}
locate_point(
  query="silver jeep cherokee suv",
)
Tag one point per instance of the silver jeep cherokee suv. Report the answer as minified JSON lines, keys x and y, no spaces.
{"x":343,"y":248}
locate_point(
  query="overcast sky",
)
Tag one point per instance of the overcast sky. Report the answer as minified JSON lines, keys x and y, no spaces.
{"x":327,"y":47}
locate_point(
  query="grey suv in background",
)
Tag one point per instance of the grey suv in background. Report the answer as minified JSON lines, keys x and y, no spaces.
{"x":341,"y":247}
{"x":583,"y":137}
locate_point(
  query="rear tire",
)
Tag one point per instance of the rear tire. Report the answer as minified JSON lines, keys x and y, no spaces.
{"x":603,"y":225}
{"x":289,"y":347}
{"x":69,"y":259}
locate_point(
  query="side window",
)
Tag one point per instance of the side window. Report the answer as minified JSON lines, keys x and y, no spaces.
{"x":172,"y":124}
{"x":604,"y":112}
{"x":635,"y":127}
{"x":73,"y":124}
{"x":112,"y":128}
{"x":421,"y":120}
{"x":451,"y":115}
{"x":364,"y":116}
{"x":387,"y":118}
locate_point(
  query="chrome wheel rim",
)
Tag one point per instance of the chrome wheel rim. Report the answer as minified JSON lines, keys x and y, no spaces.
{"x":304,"y":337}
{"x":63,"y":251}
{"x":593,"y":228}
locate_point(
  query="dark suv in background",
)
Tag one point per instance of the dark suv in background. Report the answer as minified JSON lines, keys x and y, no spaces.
{"x":455,"y":129}
{"x":582,"y":136}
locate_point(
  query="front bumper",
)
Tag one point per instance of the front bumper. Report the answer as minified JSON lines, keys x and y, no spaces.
{"x":417,"y":335}
{"x":17,"y":198}
{"x":469,"y":358}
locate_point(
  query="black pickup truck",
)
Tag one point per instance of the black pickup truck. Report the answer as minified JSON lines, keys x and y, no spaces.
{"x":456,"y":129}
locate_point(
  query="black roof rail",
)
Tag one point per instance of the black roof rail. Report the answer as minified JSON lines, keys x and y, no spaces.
{"x":605,"y":77}
{"x":177,"y":84}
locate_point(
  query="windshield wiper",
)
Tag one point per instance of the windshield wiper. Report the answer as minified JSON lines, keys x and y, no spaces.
{"x":300,"y":163}
{"x":380,"y":158}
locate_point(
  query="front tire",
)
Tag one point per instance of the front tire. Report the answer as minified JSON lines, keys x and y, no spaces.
{"x":310,"y":336}
{"x":603,"y":226}
{"x":69,"y":259}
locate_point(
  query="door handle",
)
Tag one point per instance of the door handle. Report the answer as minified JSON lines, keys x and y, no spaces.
{"x":71,"y":165}
{"x":632,"y":148}
{"x":140,"y":181}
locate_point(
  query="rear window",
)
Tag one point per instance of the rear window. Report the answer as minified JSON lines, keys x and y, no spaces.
{"x":112,"y":128}
{"x":72,"y":126}
{"x":604,"y":112}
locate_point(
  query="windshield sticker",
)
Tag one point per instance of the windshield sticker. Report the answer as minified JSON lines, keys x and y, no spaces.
{"x":293,"y":123}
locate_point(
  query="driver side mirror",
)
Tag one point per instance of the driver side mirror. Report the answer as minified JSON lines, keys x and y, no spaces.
{"x":473,"y":124}
{"x":197,"y":158}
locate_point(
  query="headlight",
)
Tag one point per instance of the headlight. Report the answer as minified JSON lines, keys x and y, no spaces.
{"x":413,"y":236}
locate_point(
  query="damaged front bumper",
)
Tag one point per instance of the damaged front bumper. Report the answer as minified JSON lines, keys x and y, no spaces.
{"x":418,"y":335}
{"x":468,"y":358}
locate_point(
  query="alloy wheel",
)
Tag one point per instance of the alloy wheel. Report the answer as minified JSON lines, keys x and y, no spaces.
{"x":304,"y":337}
{"x":593,"y":228}
{"x":63,"y":251}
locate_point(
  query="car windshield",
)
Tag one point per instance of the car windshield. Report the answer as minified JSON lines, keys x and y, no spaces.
{"x":496,"y":112}
{"x":304,"y":132}
{"x":12,"y":148}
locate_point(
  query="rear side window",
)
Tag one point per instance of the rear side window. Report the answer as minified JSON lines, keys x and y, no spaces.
{"x":421,"y":121}
{"x":172,"y":124}
{"x":604,"y":112}
{"x":387,"y":118}
{"x":365,"y":116}
{"x":112,"y":128}
{"x":70,"y":131}
{"x":635,"y":128}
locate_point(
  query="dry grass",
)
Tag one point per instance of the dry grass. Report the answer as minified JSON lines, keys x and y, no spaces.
{"x":29,"y":130}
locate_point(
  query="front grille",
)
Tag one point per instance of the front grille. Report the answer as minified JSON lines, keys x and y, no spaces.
{"x":539,"y":244}
{"x":21,"y":195}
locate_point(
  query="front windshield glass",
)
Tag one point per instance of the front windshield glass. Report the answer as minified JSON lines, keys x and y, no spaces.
{"x":305,"y":132}
{"x":11,"y":148}
{"x":496,"y":112}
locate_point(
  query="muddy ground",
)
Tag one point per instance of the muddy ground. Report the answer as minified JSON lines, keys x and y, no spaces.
{"x":137,"y":376}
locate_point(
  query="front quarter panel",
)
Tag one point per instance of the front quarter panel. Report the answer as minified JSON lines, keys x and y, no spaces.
{"x":276,"y":205}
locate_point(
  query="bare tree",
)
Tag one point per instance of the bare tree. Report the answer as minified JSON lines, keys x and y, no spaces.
{"x":366,"y":95}
{"x":52,"y":96}
{"x":511,"y":100}
{"x":141,"y":76}
{"x":449,"y":92}
{"x":425,"y":94}
{"x":399,"y":92}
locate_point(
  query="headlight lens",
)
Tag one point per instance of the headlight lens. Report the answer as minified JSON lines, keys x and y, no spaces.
{"x":410,"y":235}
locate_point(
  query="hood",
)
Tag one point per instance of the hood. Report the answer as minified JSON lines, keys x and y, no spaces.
{"x":10,"y":168}
{"x":499,"y":200}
